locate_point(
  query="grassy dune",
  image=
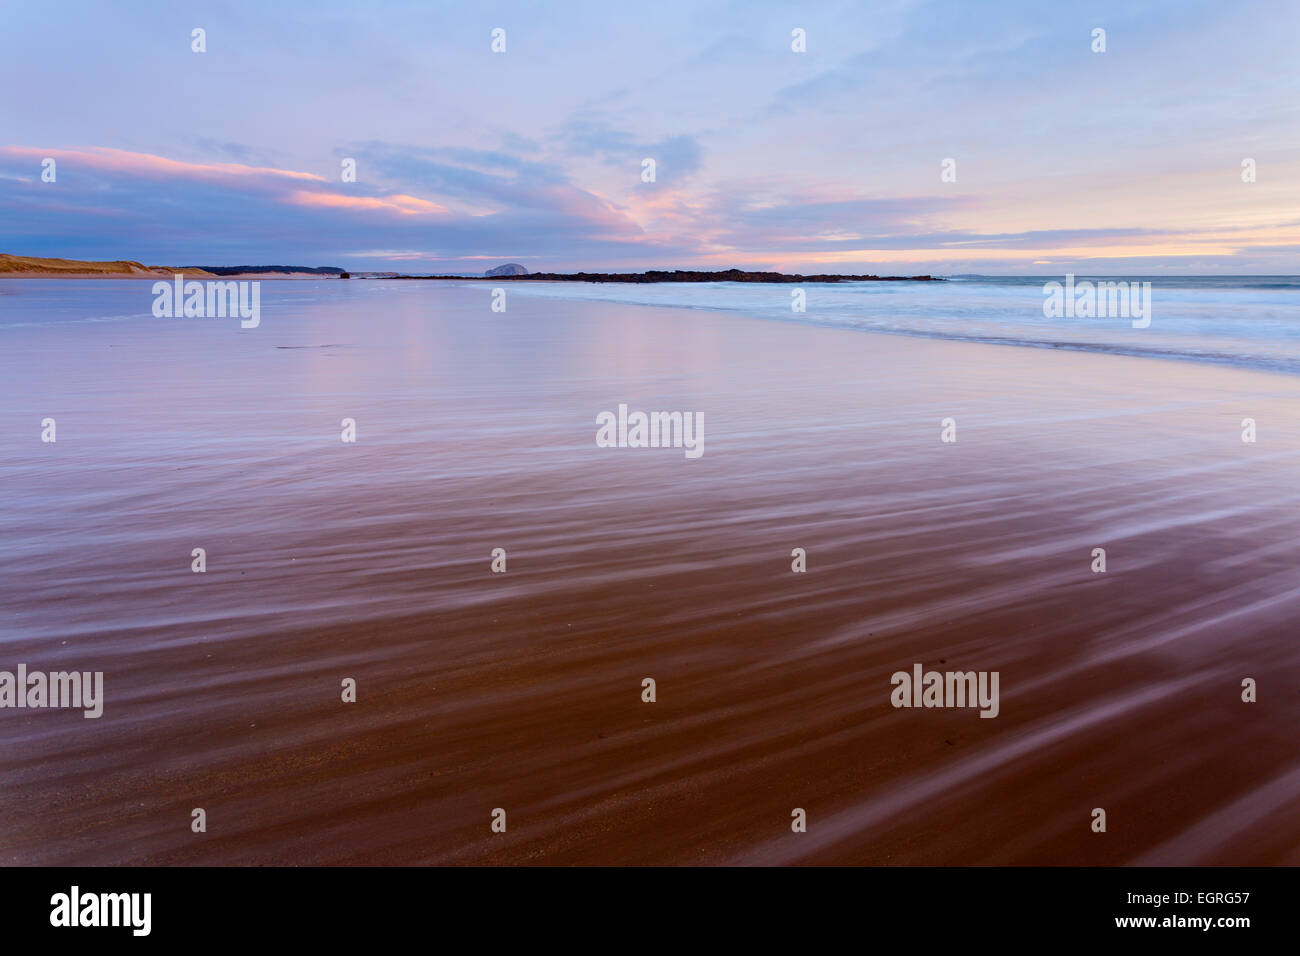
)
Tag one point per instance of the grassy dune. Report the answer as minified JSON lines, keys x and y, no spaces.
{"x":123,"y":268}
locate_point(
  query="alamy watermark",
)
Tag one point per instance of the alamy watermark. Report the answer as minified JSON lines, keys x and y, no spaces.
{"x":1105,"y":298}
{"x":949,"y":689}
{"x":651,"y":430}
{"x":36,"y":689}
{"x":75,"y":908}
{"x":208,"y":300}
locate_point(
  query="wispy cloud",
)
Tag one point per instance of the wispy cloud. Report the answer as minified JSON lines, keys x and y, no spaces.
{"x":764,"y":156}
{"x":146,"y":166}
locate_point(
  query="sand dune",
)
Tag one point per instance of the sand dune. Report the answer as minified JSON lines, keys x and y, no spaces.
{"x":17,"y":267}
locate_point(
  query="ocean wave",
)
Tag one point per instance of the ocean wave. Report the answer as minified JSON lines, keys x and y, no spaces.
{"x":1249,"y":322}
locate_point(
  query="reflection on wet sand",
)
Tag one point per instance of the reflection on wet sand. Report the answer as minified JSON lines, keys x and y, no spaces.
{"x":523,"y":690}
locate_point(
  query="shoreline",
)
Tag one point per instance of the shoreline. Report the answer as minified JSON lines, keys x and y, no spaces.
{"x":1282,"y":367}
{"x":632,"y":278}
{"x":166,"y":276}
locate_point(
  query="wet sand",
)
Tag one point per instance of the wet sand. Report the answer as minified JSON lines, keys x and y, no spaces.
{"x":523,"y":690}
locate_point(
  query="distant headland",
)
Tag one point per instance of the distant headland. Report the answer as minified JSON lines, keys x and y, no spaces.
{"x":34,"y":267}
{"x":677,"y":275}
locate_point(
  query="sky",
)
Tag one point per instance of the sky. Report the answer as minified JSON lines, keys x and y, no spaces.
{"x":1059,"y":158}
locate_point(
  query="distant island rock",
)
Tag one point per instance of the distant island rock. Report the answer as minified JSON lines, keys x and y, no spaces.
{"x":509,"y":269}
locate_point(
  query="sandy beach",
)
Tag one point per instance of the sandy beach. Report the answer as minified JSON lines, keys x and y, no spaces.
{"x":1119,"y":690}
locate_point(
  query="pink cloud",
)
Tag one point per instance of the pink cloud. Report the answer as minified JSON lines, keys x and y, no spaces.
{"x":398,"y":202}
{"x":150,"y":167}
{"x":146,"y":164}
